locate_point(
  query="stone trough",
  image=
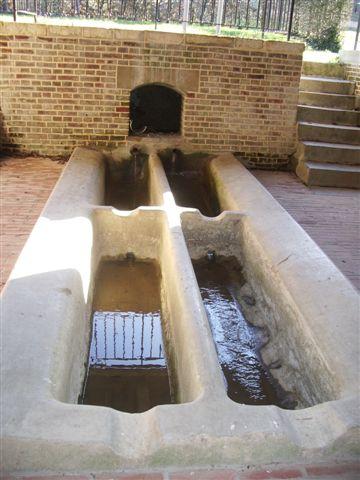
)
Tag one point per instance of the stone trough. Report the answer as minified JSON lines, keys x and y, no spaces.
{"x":306,"y":307}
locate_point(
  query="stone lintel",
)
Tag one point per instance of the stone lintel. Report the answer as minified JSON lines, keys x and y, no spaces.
{"x":129,"y":77}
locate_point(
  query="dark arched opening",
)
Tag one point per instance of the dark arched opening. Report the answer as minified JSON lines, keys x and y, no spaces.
{"x":155,"y":109}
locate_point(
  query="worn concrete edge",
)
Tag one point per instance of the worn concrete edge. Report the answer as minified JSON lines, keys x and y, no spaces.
{"x":145,"y":36}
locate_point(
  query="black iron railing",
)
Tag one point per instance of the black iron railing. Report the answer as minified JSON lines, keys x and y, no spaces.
{"x":288,"y":17}
{"x":266,"y":15}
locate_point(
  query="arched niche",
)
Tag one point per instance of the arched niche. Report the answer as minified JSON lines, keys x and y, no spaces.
{"x":155,"y":108}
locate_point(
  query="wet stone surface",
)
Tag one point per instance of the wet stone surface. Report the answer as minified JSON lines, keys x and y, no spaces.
{"x":238,"y":342}
{"x":127,"y":362}
{"x":191,"y":189}
{"x":126,"y":183}
{"x":191,"y":186}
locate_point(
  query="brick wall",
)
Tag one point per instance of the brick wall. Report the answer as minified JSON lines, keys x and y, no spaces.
{"x":68,"y":86}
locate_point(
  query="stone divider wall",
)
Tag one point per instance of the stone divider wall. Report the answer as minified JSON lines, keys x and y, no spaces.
{"x":63,"y":87}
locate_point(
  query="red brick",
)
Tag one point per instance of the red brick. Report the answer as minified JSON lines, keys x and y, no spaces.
{"x":204,"y":475}
{"x":327,"y":470}
{"x":329,"y":215}
{"x":131,"y":476}
{"x":55,"y":477}
{"x":26,"y":184}
{"x":274,"y":474}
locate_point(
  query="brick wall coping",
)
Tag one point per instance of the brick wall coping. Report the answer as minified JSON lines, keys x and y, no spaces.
{"x":143,"y":36}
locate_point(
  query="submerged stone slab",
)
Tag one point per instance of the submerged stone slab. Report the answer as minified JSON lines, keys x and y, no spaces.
{"x":312,"y":315}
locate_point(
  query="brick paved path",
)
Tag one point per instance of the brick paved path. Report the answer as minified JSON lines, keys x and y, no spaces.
{"x":25,"y":185}
{"x":331,"y":216}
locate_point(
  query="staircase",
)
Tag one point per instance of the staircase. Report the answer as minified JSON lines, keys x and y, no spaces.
{"x":328,"y":152}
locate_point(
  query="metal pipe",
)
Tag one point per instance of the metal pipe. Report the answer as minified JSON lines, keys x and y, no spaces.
{"x":291,"y":19}
{"x":186,"y":11}
{"x":219,"y":16}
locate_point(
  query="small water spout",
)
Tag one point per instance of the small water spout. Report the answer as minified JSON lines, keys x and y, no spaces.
{"x":130,"y":256}
{"x":211,"y":256}
{"x":135,"y":152}
{"x":174,"y":157}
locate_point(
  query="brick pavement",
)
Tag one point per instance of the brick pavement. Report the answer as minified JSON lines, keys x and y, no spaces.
{"x":331,"y":216}
{"x":25,"y":185}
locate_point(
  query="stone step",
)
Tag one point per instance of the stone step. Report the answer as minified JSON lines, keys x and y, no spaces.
{"x":332,"y":100}
{"x":323,"y":69}
{"x":318,"y":132}
{"x":327,"y":85}
{"x":328,"y":153}
{"x":332,"y":116}
{"x":329,"y":175}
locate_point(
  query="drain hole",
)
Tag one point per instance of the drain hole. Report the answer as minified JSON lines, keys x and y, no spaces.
{"x":190,"y":181}
{"x":127,"y":368}
{"x":238,"y":342}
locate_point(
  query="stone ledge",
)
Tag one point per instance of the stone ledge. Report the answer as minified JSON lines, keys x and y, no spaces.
{"x":145,"y":36}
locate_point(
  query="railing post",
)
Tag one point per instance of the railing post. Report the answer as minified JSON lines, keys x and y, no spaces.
{"x":357,"y":31}
{"x":291,"y":19}
{"x":258,"y":13}
{"x":263,"y":26}
{"x":247,"y":14}
{"x":219,"y":16}
{"x":186,"y":11}
{"x":236,"y":13}
{"x":280,"y":14}
{"x":14,"y":10}
{"x":156,"y":13}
